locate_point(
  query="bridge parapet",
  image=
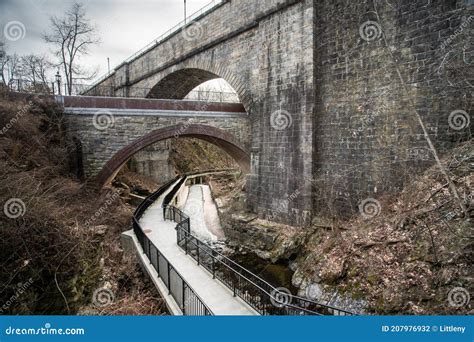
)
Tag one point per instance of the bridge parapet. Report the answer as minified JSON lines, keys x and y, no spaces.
{"x":71,"y":102}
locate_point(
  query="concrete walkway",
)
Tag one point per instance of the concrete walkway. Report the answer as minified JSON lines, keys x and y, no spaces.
{"x":216,"y":296}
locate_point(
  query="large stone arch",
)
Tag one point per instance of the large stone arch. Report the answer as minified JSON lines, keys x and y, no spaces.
{"x":179,"y":80}
{"x":213,"y":135}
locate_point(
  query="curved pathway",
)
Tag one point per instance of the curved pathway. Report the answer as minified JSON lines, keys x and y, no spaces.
{"x":162,"y":234}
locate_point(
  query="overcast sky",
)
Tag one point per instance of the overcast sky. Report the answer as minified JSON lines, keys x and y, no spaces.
{"x":124,"y":26}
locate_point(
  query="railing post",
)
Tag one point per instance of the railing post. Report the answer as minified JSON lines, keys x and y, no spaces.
{"x":213,"y":265}
{"x":158,"y":262}
{"x":198,"y":251}
{"x":169,"y":280}
{"x":230,"y":273}
{"x":186,"y":242}
{"x":149,"y":250}
{"x":184,"y":297}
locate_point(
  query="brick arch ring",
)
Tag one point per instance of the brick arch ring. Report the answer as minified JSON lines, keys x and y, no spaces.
{"x":213,"y":135}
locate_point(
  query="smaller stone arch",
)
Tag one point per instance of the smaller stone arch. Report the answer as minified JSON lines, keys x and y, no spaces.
{"x":213,"y":135}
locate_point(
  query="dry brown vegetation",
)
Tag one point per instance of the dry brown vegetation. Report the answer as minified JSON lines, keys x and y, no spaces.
{"x":190,"y":155}
{"x":58,"y":242}
{"x":406,"y":259}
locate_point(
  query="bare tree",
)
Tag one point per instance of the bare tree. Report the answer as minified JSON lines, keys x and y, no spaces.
{"x":29,"y":71}
{"x":10,"y":67}
{"x":3,"y":58}
{"x":2,"y":49}
{"x":72,"y":35}
{"x":214,"y":91}
{"x":33,"y":73}
{"x":34,"y":68}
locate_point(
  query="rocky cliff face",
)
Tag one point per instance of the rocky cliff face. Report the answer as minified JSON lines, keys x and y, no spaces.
{"x":269,"y":241}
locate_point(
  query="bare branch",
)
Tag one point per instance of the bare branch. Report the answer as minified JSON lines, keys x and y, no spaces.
{"x":72,"y":36}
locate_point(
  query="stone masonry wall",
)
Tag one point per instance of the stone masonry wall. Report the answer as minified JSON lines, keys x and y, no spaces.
{"x":154,"y":162}
{"x":367,"y":139}
{"x":99,"y":145}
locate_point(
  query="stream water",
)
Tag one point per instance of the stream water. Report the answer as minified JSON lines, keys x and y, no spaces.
{"x":277,"y":274}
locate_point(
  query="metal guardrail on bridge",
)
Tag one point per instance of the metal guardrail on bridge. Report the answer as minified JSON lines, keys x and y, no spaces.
{"x":184,"y":295}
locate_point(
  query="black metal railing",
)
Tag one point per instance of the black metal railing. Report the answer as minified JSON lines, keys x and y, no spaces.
{"x":187,"y":299}
{"x":258,"y":293}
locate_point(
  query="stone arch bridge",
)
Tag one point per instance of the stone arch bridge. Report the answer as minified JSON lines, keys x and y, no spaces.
{"x":112,"y":130}
{"x":328,"y":123}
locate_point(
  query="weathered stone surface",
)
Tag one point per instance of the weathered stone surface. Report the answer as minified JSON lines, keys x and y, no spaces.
{"x":267,"y":240}
{"x":154,"y":162}
{"x":101,"y":146}
{"x":331,"y":122}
